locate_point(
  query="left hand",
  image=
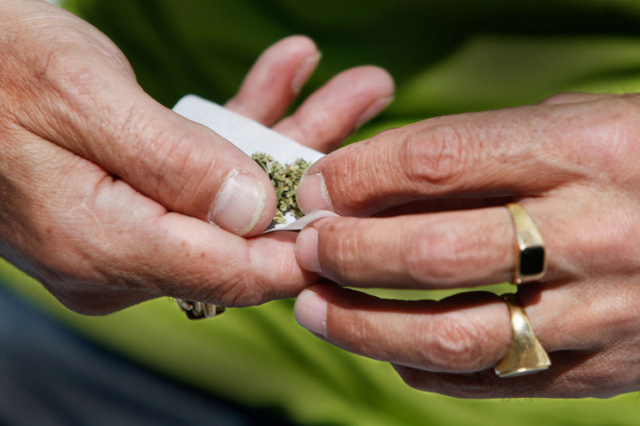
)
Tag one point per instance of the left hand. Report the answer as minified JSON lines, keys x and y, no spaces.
{"x":439,"y":187}
{"x":110,"y":199}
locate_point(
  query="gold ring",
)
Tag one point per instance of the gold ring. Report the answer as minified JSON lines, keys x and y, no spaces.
{"x":525,"y":355}
{"x":199,"y":310}
{"x":530,"y":255}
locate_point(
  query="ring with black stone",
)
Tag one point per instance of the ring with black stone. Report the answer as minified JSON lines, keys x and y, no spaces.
{"x":530,"y":256}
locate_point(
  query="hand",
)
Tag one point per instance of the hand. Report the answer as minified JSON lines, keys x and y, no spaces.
{"x":109,"y":198}
{"x":439,"y":187}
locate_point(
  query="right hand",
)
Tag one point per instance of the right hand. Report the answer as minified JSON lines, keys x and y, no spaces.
{"x":109,"y":198}
{"x":438,"y":188}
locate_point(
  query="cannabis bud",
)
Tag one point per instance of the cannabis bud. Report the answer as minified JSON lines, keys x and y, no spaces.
{"x":285,"y":180}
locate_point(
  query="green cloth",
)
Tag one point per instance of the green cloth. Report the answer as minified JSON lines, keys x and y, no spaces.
{"x":447,"y":56}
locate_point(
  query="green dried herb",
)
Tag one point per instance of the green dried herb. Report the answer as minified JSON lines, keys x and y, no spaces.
{"x":285,"y":180}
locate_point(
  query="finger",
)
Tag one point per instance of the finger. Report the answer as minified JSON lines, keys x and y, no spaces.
{"x":467,"y":333}
{"x":455,"y":249}
{"x":334,"y":111}
{"x":275,"y":79}
{"x":231,"y":271}
{"x":128,"y":268}
{"x":423,"y":251}
{"x":450,"y":249}
{"x":492,"y":153}
{"x":234,"y":272}
{"x":584,"y":364}
{"x":106,"y":118}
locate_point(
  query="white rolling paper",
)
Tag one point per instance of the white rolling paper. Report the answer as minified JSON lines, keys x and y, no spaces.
{"x":251,"y":137}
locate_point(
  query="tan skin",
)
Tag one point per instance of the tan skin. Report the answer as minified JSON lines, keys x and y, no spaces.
{"x":571,"y":161}
{"x":110,"y":195}
{"x":110,"y":199}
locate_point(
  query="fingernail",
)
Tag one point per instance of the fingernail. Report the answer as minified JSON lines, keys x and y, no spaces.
{"x":307,"y":250}
{"x":373,"y":110}
{"x":304,"y":71}
{"x":239,"y":203}
{"x":311,"y":312}
{"x":312,"y":194}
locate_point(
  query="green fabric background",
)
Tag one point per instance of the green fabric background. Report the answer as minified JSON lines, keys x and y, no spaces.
{"x":447,"y":56}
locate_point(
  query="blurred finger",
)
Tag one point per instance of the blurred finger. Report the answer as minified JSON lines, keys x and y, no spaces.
{"x":275,"y":79}
{"x":335,"y":110}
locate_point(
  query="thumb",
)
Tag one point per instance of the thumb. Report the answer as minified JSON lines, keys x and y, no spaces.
{"x":183,"y":165}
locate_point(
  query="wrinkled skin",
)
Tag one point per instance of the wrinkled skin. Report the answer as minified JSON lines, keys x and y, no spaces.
{"x":110,"y":199}
{"x":438,"y":189}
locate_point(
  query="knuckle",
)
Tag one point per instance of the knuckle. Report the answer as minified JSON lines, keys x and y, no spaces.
{"x":72,"y":81}
{"x":436,"y":157}
{"x":455,"y":344}
{"x":616,"y":119}
{"x":73,"y":66}
{"x":433,"y":258}
{"x":440,"y":252}
{"x":71,"y":75}
{"x":77,"y":80}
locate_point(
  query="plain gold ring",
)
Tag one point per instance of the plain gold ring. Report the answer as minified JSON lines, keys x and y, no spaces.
{"x":525,"y":355}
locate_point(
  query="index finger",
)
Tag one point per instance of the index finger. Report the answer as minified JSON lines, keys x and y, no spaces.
{"x":514,"y":152}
